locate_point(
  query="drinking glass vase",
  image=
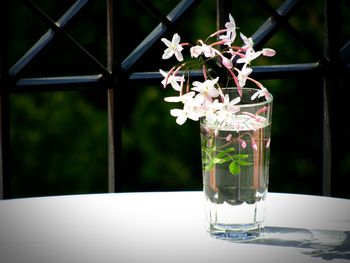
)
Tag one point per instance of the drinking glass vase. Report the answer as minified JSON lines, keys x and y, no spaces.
{"x":235,"y":160}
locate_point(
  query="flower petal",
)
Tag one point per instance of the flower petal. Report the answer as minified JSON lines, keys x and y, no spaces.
{"x":166,"y":42}
{"x":175,"y":112}
{"x":176,"y":39}
{"x":168,"y":53}
{"x":181,"y":119}
{"x":268,"y":52}
{"x":179,"y":56}
{"x":173,"y":99}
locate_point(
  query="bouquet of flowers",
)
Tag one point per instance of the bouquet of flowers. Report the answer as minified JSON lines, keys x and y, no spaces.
{"x":206,"y":99}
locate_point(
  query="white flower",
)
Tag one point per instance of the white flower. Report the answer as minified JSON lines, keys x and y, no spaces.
{"x":248,"y":42}
{"x":208,"y":51}
{"x":197,"y":50}
{"x":206,"y":99}
{"x":214,"y":106}
{"x":250,"y":55}
{"x":243,"y":75}
{"x":175,"y":81}
{"x":231,"y":31}
{"x":219,"y":112}
{"x":229,"y":105}
{"x":183,"y":98}
{"x":206,"y":90}
{"x":263,"y":92}
{"x":243,"y":122}
{"x":174,"y":47}
{"x":191,"y":110}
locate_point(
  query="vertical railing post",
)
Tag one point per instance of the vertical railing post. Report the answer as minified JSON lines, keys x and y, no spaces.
{"x":326,"y":141}
{"x":331,"y":85}
{"x":4,"y":137}
{"x":223,"y":8}
{"x":114,"y":94}
{"x":4,"y":108}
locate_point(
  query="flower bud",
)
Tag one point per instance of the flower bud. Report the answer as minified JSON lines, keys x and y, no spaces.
{"x":227,"y":62}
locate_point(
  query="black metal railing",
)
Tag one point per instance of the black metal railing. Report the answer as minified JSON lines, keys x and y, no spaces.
{"x":119,"y":71}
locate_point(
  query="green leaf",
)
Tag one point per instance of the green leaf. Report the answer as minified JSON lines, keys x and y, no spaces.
{"x":234,"y":168}
{"x":208,"y":152}
{"x":240,"y":156}
{"x":226,"y":159}
{"x":225,"y":152}
{"x":231,"y":149}
{"x":243,"y":163}
{"x":216,"y":160}
{"x":209,"y":166}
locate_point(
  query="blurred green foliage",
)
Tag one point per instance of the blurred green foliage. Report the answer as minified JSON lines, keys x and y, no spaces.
{"x":59,"y":144}
{"x":59,"y":140}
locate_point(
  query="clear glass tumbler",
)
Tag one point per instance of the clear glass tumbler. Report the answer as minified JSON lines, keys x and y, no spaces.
{"x":235,"y":160}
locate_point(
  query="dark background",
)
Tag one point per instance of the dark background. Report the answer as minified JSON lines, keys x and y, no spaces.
{"x":59,"y":139}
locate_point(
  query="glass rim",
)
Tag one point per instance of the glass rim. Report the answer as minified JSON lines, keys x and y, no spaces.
{"x":253,"y":104}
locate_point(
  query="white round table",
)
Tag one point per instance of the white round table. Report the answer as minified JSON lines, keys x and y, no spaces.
{"x":166,"y":227}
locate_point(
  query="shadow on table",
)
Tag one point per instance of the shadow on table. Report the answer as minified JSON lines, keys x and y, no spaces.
{"x":326,"y":244}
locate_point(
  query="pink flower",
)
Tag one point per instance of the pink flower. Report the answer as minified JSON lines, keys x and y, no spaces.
{"x":243,"y":143}
{"x":268,"y":52}
{"x":268,"y":143}
{"x":227,"y":62}
{"x":254,"y":145}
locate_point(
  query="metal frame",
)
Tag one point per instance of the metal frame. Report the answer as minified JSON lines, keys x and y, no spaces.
{"x":120,"y":71}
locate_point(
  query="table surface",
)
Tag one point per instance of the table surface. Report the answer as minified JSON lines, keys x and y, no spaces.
{"x":167,"y":227}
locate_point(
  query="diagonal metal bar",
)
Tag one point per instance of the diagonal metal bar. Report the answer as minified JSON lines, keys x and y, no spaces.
{"x":72,"y":12}
{"x":280,"y":19}
{"x":31,"y":53}
{"x":155,"y":12}
{"x":286,"y":9}
{"x":183,"y":8}
{"x":270,"y":27}
{"x":345,"y":52}
{"x":48,"y":36}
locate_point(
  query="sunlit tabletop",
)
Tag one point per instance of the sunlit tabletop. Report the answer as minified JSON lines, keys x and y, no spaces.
{"x":167,"y":227}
